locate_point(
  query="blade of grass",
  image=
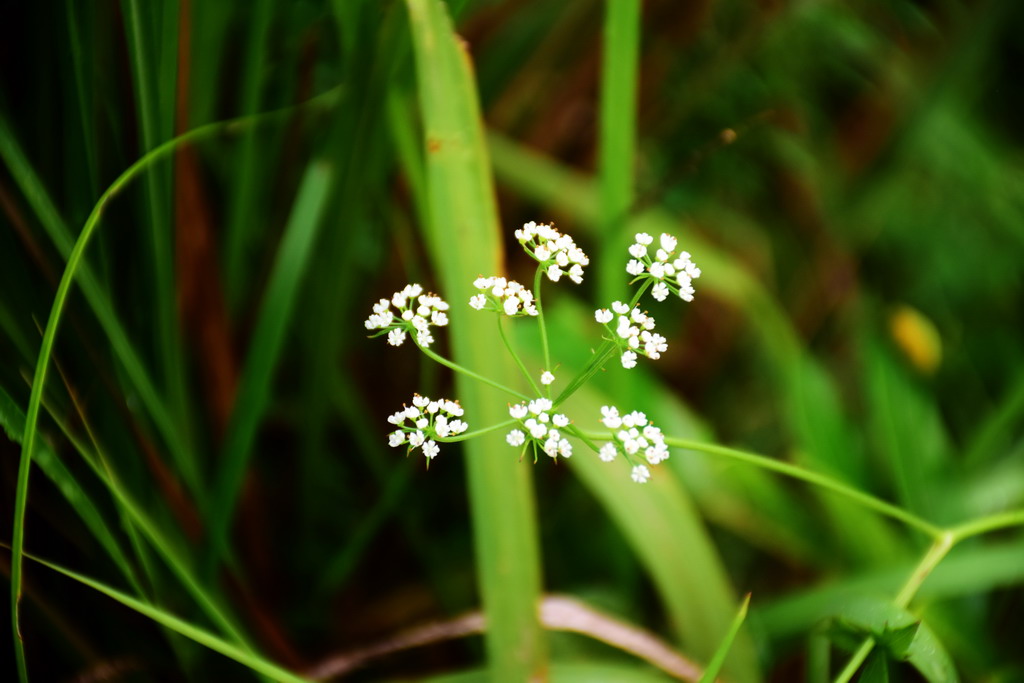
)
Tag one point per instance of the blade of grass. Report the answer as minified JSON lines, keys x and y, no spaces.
{"x":164,"y":618}
{"x":617,"y":138}
{"x":169,"y":549}
{"x":156,"y":125}
{"x":465,"y":241}
{"x":12,"y":419}
{"x":711,"y":672}
{"x":96,"y":296}
{"x":243,"y":200}
{"x":267,"y":341}
{"x":50,"y":333}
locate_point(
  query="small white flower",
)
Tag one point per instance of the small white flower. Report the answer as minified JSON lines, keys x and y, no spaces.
{"x":660,"y":291}
{"x":515,"y":438}
{"x":564,"y":448}
{"x":478,"y":301}
{"x":638,"y":418}
{"x":430,"y":449}
{"x":414,"y":314}
{"x":668,"y":242}
{"x":620,"y":307}
{"x":644,"y":238}
{"x":634,"y":267}
{"x":547,"y":377}
{"x":641,"y":474}
{"x":537,"y":430}
{"x":611,"y":418}
{"x":541,"y":404}
{"x":560,"y":420}
{"x":603,"y":316}
{"x":629,"y":360}
{"x":431,"y":420}
{"x":608,"y":452}
{"x":557,"y":253}
{"x":518,"y":411}
{"x":637,"y":250}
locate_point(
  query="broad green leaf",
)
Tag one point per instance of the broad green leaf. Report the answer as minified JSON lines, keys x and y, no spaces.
{"x":199,"y":635}
{"x":902,"y":635}
{"x":465,"y":241}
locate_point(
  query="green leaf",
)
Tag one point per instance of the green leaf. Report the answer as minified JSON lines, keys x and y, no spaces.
{"x":659,"y":520}
{"x":903,"y":636}
{"x":910,"y":438}
{"x":267,"y":342}
{"x":876,"y":670}
{"x":199,"y":635}
{"x":12,"y":419}
{"x":715,"y":665}
{"x":465,"y":241}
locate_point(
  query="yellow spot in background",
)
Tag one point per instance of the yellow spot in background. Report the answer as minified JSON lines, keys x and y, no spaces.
{"x":917,"y":337}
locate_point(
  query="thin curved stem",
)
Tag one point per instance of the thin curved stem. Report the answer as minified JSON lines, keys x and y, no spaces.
{"x":543,"y":327}
{"x":50,"y":334}
{"x":1002,"y":520}
{"x":582,"y":436}
{"x":821,"y":480}
{"x":476,"y":432}
{"x":469,"y":373}
{"x":515,"y":356}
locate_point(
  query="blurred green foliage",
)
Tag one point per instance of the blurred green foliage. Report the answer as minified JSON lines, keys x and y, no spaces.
{"x":212,"y":443}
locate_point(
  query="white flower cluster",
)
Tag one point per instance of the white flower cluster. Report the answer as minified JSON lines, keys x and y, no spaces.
{"x":427,"y":420}
{"x":556,"y":252}
{"x":633,"y":332}
{"x":631,"y":434}
{"x":672,"y":273}
{"x":540,"y":426}
{"x":505,"y":296}
{"x":417,"y":313}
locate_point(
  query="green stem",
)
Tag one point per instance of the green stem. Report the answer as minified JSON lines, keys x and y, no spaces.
{"x":543,"y":326}
{"x":579,"y":434}
{"x":943,"y":543}
{"x":515,"y":356}
{"x":820,"y":480}
{"x":984,"y":525}
{"x":74,"y":262}
{"x":477,"y":432}
{"x":600,"y":357}
{"x":469,"y":373}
